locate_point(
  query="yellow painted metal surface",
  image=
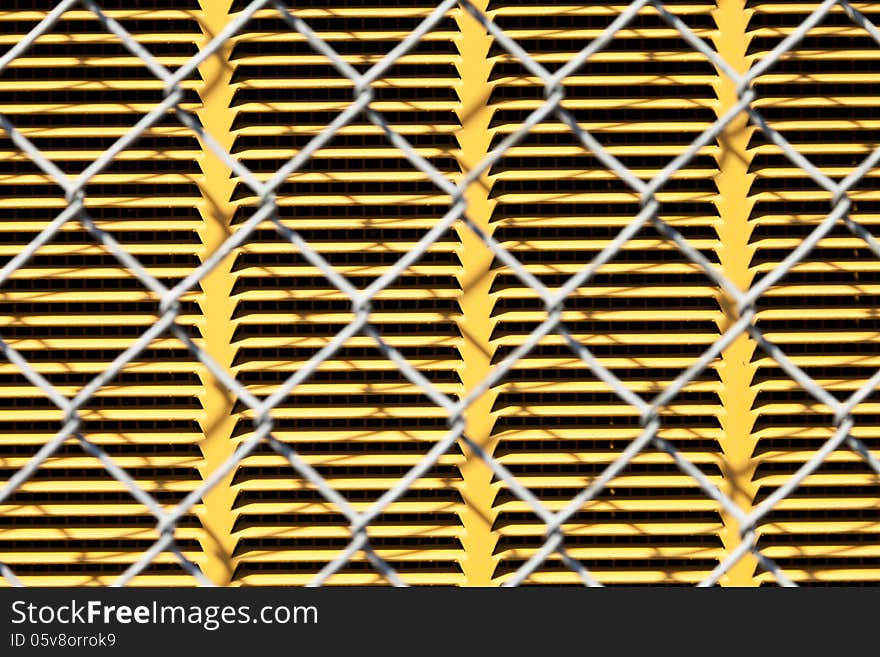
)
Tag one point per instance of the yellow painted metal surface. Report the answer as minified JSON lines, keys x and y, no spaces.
{"x":736,"y":370}
{"x":265,"y":311}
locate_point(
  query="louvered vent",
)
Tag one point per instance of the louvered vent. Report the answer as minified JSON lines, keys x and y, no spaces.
{"x":362,"y":206}
{"x":74,"y":308}
{"x":823,"y":98}
{"x":646,"y":315}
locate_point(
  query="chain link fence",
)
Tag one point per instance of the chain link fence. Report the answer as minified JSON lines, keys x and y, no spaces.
{"x":554,"y":300}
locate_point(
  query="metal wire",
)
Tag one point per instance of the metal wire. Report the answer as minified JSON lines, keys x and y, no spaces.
{"x":360,"y":299}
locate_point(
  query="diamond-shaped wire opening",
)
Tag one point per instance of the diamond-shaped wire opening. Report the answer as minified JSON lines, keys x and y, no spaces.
{"x":826,"y":529}
{"x":56,"y":519}
{"x":843,"y":166}
{"x":808,"y":70}
{"x":84,"y":111}
{"x":287,"y":532}
{"x":30,"y":34}
{"x":263,"y":410}
{"x":643,"y":95}
{"x":266,"y":406}
{"x":101,"y":160}
{"x":652,"y":524}
{"x":588,"y":141}
{"x":646,"y":289}
{"x":87,"y":150}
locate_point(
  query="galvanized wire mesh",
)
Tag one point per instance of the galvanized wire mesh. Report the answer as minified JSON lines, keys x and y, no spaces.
{"x":553,"y":300}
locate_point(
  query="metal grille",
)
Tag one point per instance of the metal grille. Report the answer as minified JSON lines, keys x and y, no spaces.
{"x":455,"y":189}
